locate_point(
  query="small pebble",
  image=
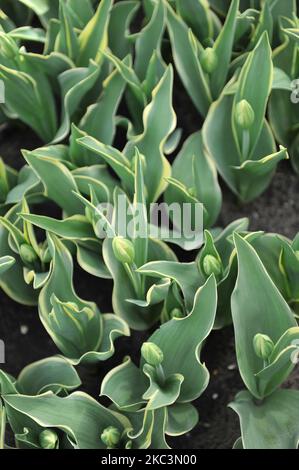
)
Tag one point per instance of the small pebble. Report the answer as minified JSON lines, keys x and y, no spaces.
{"x":215,"y":396}
{"x":24,"y":329}
{"x":232,"y":367}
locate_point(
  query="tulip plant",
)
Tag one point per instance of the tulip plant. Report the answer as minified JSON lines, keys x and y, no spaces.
{"x":96,"y":82}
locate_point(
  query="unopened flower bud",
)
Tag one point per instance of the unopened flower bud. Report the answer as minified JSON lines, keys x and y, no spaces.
{"x":123,"y":250}
{"x":244,"y":114}
{"x":192,"y":191}
{"x":48,"y":439}
{"x":177,"y":313}
{"x":209,"y":60}
{"x":263,"y":346}
{"x":211,"y":265}
{"x":27,"y":253}
{"x":110,"y":437}
{"x":152,"y":354}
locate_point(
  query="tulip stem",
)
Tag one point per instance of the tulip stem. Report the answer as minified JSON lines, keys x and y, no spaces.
{"x":160,"y":374}
{"x":245,"y":144}
{"x":135,"y":279}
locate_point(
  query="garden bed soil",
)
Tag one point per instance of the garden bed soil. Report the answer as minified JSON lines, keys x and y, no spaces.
{"x":26,"y":340}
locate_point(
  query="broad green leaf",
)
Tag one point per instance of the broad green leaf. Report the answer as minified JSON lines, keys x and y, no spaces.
{"x":187,"y":334}
{"x":259,"y":61}
{"x":93,"y":38}
{"x":137,"y":318}
{"x":197,"y":15}
{"x":67,"y":41}
{"x":246,"y":184}
{"x":57,"y":179}
{"x":114,"y":158}
{"x":5,"y":263}
{"x":268,"y":314}
{"x":73,"y":228}
{"x":118,"y":29}
{"x":186,"y":275}
{"x":181,"y":418}
{"x":271,"y":424}
{"x":74,"y":84}
{"x":50,"y":411}
{"x":27,"y":33}
{"x":92,"y":122}
{"x":223,"y":48}
{"x":149,"y":39}
{"x":161,"y":395}
{"x":24,"y":92}
{"x":125,"y":385}
{"x":159,"y":121}
{"x":75,"y":325}
{"x":51,"y":374}
{"x":202,"y":178}
{"x":187,"y":62}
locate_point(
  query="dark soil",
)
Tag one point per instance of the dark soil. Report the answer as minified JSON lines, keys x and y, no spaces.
{"x":26,"y":340}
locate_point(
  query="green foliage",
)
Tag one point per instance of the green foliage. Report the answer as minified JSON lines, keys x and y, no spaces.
{"x":102,"y":85}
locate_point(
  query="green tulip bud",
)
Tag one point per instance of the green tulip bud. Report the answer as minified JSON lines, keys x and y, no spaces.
{"x":177,"y":313}
{"x":192,"y":191}
{"x":27,"y":253}
{"x":152,"y":354}
{"x":211,"y":265}
{"x":123,"y":250}
{"x":244,"y":114}
{"x":209,"y":60}
{"x":48,"y":439}
{"x":110,"y":437}
{"x":263,"y":346}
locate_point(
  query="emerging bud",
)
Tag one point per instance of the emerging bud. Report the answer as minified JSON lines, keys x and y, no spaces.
{"x":123,"y":250}
{"x":48,"y":439}
{"x":211,"y":265}
{"x":209,"y":60}
{"x":192,"y":191}
{"x":152,"y":354}
{"x":263,"y":346}
{"x":110,"y":437}
{"x":27,"y":253}
{"x":177,"y":313}
{"x":244,"y":114}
